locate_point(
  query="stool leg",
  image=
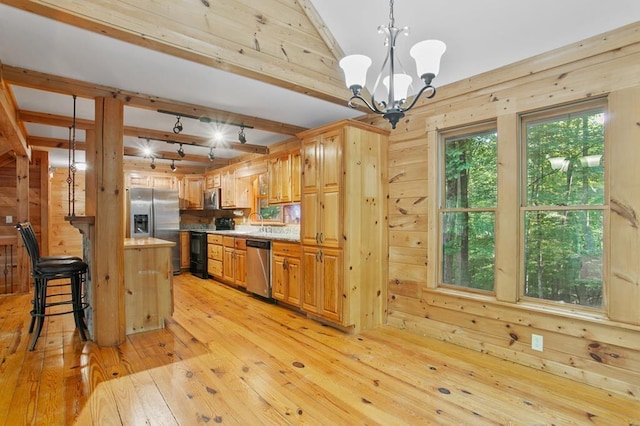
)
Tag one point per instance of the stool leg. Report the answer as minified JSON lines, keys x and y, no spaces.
{"x":76,"y":295}
{"x":34,"y":306}
{"x":39,"y":308}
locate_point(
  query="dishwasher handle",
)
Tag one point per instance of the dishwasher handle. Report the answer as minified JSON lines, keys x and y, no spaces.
{"x":261,"y":244}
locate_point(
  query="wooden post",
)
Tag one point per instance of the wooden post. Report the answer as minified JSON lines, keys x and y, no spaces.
{"x":107,"y":258}
{"x":90,"y":173}
{"x":22,"y":213}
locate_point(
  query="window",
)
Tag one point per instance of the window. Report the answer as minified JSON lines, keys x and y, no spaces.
{"x":468,"y":201}
{"x":563,"y":201}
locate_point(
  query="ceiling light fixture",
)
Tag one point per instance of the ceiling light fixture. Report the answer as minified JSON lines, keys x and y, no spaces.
{"x":173,"y":166}
{"x":241,"y":136}
{"x":211,"y":156}
{"x":153,"y":163}
{"x":427,"y":55}
{"x":181,"y":151}
{"x":177,"y":128}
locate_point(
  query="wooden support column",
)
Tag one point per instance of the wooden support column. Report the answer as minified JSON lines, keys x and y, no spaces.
{"x":90,"y":173}
{"x":107,"y":258}
{"x":22,"y":213}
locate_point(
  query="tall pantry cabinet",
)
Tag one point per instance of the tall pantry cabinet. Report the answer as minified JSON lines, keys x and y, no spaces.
{"x":343,"y":228}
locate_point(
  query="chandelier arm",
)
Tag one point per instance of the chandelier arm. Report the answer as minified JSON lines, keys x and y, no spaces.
{"x":373,"y":107}
{"x":415,"y":99}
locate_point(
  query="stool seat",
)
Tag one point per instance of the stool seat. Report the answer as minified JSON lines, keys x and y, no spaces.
{"x":61,"y":267}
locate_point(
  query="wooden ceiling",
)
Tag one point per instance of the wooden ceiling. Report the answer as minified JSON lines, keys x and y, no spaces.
{"x":291,"y":49}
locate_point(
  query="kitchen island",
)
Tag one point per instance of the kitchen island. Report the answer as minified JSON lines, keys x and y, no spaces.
{"x":148,"y":280}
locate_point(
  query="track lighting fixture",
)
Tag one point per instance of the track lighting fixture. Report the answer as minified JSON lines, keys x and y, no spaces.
{"x":153,"y":163}
{"x":177,"y":128}
{"x":241,"y":136}
{"x":181,"y":151}
{"x":173,"y":165}
{"x":211,"y":156}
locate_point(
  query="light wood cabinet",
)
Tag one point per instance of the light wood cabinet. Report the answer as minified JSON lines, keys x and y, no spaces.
{"x":343,"y":229}
{"x":185,"y":250}
{"x":151,"y":180}
{"x":228,"y":183}
{"x":296,"y":177}
{"x":215,"y":255}
{"x":279,"y":171}
{"x":244,"y":193}
{"x":234,"y":262}
{"x":212,"y":180}
{"x":321,"y":197}
{"x":193,"y":192}
{"x":164,"y":182}
{"x":286,"y":285}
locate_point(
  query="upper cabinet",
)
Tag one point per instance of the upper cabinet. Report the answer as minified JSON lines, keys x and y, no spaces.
{"x":151,"y":180}
{"x":296,"y":176}
{"x":212,"y":180}
{"x":193,"y":192}
{"x":279,"y":169}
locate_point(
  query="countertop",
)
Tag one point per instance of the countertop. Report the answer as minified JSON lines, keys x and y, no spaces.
{"x":131,"y":243}
{"x":273,"y":236}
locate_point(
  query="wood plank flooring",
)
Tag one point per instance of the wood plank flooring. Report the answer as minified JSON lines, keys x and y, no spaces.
{"x":228,"y":358}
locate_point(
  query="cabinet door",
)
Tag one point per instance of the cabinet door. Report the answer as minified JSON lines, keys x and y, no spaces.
{"x":296,"y":184}
{"x":184,"y":250}
{"x":137,"y":179}
{"x":273,"y":173}
{"x":240,"y":258}
{"x":309,"y":279}
{"x":309,"y":219}
{"x":244,"y":193}
{"x":293,"y":271}
{"x":330,"y":284}
{"x":228,"y":188}
{"x":310,"y":167}
{"x":228,"y":266}
{"x":279,"y":284}
{"x":163,"y":182}
{"x":331,"y":153}
{"x":330,"y":228}
{"x":194,"y":192}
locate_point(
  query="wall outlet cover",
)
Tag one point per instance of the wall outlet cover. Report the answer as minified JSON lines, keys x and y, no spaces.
{"x":537,"y":342}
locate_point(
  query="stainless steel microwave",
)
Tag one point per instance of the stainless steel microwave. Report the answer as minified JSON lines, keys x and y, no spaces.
{"x":212,"y":199}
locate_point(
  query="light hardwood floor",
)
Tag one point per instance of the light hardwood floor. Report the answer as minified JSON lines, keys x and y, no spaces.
{"x":226,"y":357}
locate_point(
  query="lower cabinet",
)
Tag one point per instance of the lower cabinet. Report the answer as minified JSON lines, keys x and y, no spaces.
{"x":235,"y":261}
{"x":322,"y":282}
{"x":184,"y":250}
{"x":215,"y":250}
{"x":286,"y":273}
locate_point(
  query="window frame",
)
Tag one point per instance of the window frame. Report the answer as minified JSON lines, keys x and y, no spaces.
{"x":544,"y":114}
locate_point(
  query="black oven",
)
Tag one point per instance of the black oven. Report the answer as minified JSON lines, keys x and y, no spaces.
{"x":198,"y":263}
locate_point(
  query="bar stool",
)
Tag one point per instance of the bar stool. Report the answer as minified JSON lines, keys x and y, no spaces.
{"x":72,"y":270}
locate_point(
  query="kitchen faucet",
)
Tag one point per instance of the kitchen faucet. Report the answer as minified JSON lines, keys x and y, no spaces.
{"x":259,"y":217}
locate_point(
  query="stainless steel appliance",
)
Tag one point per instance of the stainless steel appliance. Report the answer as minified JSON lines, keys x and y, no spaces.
{"x":198,"y":254}
{"x":259,"y":267}
{"x":212,"y":199}
{"x":155,"y":213}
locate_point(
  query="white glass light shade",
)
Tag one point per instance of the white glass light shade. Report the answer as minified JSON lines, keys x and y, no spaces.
{"x":401,"y":83}
{"x":427,"y":54}
{"x":355,"y":69}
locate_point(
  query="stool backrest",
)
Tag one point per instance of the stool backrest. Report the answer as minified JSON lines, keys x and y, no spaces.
{"x":31,"y":244}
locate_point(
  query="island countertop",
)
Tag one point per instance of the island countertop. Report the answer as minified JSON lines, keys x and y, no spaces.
{"x":148,"y":242}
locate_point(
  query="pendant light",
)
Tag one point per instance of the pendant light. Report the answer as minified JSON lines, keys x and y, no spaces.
{"x":427,"y":56}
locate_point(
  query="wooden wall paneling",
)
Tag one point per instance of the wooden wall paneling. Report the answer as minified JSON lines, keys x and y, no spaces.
{"x":599,"y":348}
{"x":44,"y":198}
{"x":623,"y":134}
{"x":108,"y":256}
{"x":64,"y":239}
{"x":22,"y":215}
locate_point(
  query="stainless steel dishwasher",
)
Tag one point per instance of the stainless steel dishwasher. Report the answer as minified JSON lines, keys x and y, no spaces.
{"x":259,"y":267}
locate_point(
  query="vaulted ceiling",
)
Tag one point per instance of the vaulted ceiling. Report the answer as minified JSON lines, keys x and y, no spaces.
{"x":270,"y":65}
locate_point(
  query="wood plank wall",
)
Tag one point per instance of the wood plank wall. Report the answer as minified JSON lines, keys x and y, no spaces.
{"x":64,"y":238}
{"x":601,"y":349}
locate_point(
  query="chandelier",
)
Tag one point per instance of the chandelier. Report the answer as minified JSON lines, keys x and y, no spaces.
{"x":427,"y":55}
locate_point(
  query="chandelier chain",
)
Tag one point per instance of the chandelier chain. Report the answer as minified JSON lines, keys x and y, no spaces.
{"x":392,"y":21}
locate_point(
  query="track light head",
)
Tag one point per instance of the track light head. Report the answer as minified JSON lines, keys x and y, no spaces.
{"x":153,"y":163}
{"x":181,"y":151}
{"x":177,"y":128}
{"x":211,"y":156}
{"x":173,"y":166}
{"x":241,"y":136}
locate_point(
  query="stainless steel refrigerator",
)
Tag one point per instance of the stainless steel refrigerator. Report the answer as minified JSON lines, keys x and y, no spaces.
{"x":155,"y":213}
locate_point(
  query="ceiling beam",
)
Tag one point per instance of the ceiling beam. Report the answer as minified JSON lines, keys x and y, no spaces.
{"x":53,"y":143}
{"x":84,"y":124}
{"x":271,"y":41}
{"x":10,"y":130}
{"x":52,"y":83}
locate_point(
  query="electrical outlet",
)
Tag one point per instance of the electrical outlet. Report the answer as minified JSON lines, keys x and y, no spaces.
{"x":537,"y":342}
{"x":8,"y":219}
